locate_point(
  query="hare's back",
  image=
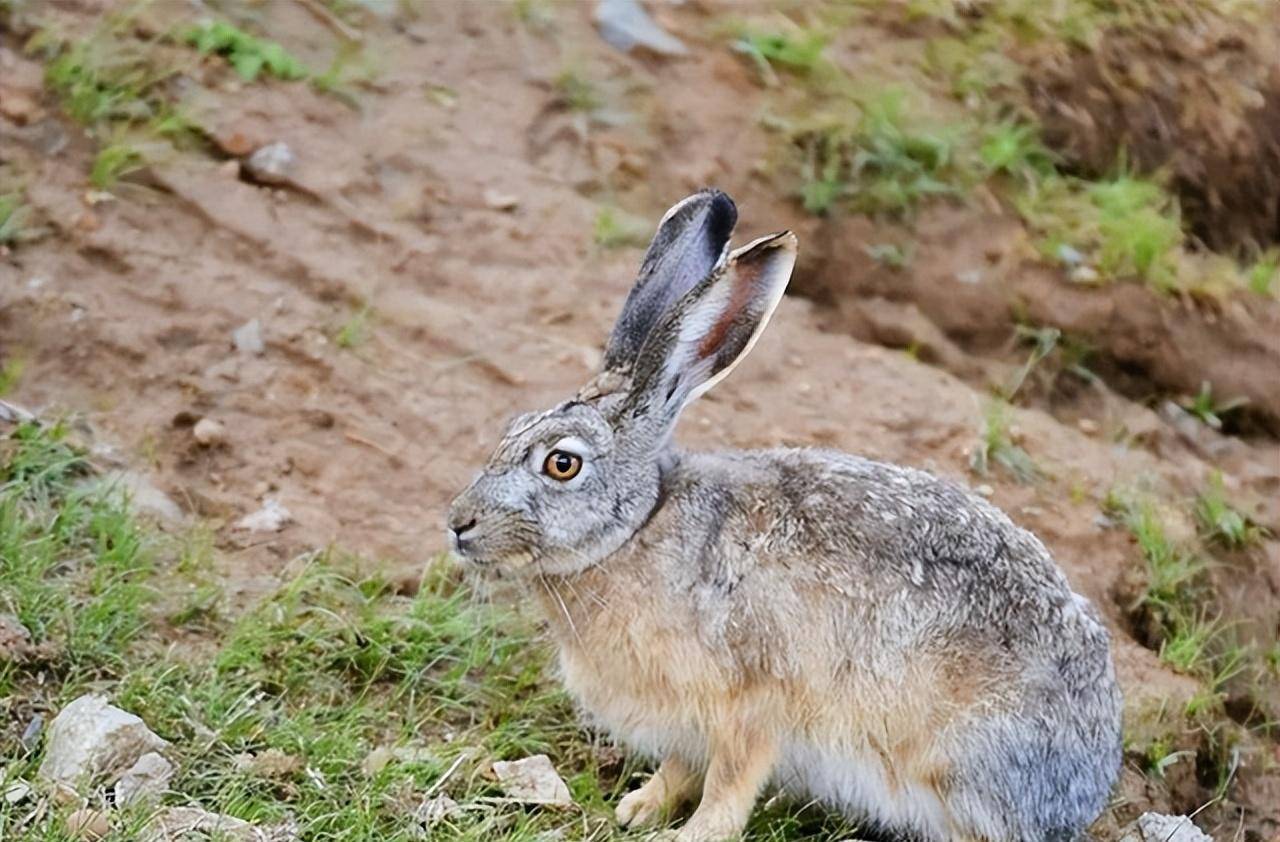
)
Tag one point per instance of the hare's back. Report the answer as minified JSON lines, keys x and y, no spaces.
{"x":855,"y":529}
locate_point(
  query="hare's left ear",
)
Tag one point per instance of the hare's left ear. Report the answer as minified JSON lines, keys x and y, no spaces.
{"x":710,"y":329}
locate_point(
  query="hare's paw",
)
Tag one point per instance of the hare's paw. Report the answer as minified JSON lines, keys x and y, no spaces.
{"x":642,"y":807}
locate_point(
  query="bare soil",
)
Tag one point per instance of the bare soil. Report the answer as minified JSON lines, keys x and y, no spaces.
{"x":476,"y":308}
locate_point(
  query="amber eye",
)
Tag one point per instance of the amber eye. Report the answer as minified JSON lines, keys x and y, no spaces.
{"x":562,"y":465}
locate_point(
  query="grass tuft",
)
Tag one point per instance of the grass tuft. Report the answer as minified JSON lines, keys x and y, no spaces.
{"x":1221,"y":523}
{"x":248,"y":54}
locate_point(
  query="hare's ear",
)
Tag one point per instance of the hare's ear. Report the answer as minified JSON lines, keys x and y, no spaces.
{"x":691,"y":241}
{"x":711,"y":329}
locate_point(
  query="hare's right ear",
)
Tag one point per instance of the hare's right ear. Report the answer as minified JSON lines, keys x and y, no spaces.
{"x":708,"y":332}
{"x":691,"y":241}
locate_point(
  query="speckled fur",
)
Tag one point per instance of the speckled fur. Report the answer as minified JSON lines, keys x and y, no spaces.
{"x":862,"y":634}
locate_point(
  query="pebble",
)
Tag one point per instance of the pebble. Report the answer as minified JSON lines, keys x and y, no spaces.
{"x":270,"y":164}
{"x":1084,"y":275}
{"x":209,"y":432}
{"x":497,"y":200}
{"x":533,"y":780}
{"x":272,"y":517}
{"x":1087,"y":426}
{"x":145,"y":781}
{"x":87,"y":823}
{"x":248,"y":338}
{"x":17,"y":792}
{"x":985,"y":490}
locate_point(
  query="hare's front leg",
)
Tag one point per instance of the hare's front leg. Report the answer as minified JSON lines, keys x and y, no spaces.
{"x":741,"y":760}
{"x":674,"y":782}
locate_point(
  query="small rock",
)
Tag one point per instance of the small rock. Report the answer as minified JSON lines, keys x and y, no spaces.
{"x":969,"y":276}
{"x":1157,"y":827}
{"x":1084,"y":275}
{"x":625,"y":25}
{"x":533,"y":780}
{"x":87,"y":823}
{"x":985,"y":490}
{"x":1070,"y":255}
{"x":270,"y":164}
{"x":377,"y":760}
{"x":17,"y":792}
{"x":30,"y":739}
{"x":272,"y":517}
{"x":90,"y":738}
{"x":248,"y":338}
{"x":178,"y":824}
{"x":145,"y":781}
{"x":15,"y":640}
{"x":1088,"y":426}
{"x":209,"y":432}
{"x":19,"y":107}
{"x":142,"y":494}
{"x":431,"y":812}
{"x":498,"y":200}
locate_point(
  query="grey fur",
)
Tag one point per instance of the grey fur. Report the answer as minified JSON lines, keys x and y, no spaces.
{"x":845,"y":588}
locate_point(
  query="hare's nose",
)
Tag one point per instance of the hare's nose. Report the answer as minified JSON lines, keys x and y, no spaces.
{"x":460,"y":529}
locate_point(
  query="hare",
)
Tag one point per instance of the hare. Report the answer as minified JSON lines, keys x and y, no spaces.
{"x":860,"y":634}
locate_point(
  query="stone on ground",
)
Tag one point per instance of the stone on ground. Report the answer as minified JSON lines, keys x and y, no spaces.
{"x":91,"y":739}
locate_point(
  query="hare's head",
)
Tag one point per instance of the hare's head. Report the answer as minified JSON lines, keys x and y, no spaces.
{"x":566,"y":487}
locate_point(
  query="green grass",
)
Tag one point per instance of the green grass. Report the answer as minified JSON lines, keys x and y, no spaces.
{"x":1014,"y":149}
{"x":996,"y":446}
{"x":11,"y":374}
{"x":800,"y":50}
{"x":1125,"y":227}
{"x":888,"y":160}
{"x":112,"y":162}
{"x":248,"y":54}
{"x":577,"y":91}
{"x":278,"y":711}
{"x":1209,"y":409}
{"x":1221,"y":523}
{"x":107,"y":77}
{"x":614,"y":228}
{"x":356,"y":330}
{"x":14,"y":216}
{"x":1262,"y":274}
{"x":73,"y":564}
{"x":1171,"y":568}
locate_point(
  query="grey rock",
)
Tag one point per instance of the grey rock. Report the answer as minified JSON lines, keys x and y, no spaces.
{"x":248,"y":338}
{"x":625,"y":24}
{"x":272,"y":517}
{"x":141,"y":493}
{"x":1157,"y":827}
{"x":431,"y":812}
{"x":184,"y":823}
{"x":533,"y":780}
{"x":91,"y":739}
{"x":30,"y":738}
{"x":145,"y":781}
{"x":270,"y":164}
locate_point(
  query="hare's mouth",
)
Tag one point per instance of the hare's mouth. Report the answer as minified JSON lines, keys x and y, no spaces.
{"x":475,"y":553}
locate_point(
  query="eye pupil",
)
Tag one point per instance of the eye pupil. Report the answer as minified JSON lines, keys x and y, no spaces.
{"x":563,"y":463}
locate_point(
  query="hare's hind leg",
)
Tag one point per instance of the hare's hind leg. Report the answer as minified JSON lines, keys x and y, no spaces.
{"x":674,"y":782}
